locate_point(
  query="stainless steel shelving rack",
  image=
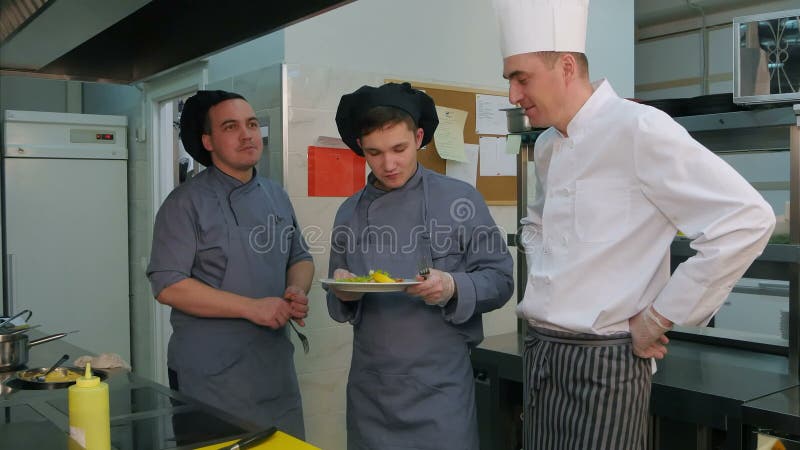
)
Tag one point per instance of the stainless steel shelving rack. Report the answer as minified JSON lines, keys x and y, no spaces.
{"x":775,"y":129}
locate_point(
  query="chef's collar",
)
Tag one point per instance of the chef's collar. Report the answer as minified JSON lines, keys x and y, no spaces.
{"x":229,"y":182}
{"x":412,"y":182}
{"x":591,"y":109}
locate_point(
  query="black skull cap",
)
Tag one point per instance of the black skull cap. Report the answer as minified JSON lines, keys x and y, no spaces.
{"x":353,"y":107}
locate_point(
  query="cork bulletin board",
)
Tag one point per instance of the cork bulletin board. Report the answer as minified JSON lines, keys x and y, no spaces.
{"x":495,"y":190}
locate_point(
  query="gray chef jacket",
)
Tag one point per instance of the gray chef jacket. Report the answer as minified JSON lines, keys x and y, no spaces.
{"x":410,"y":384}
{"x":241,"y":238}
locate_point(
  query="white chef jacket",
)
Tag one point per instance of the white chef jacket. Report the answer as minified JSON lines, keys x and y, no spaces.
{"x":609,"y":200}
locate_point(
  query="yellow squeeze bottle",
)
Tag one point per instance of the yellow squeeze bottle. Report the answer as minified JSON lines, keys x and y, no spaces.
{"x":89,"y":418}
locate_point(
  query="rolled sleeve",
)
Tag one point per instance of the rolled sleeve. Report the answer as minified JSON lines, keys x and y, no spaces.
{"x":174,"y":246}
{"x":339,"y":310}
{"x":461,"y":308}
{"x":343,"y":311}
{"x":299,"y":248}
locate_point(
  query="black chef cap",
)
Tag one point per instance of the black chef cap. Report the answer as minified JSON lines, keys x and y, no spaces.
{"x":193,"y":119}
{"x":353,"y":107}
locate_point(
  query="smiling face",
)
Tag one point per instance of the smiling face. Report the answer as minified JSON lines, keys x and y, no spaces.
{"x":538,"y":86}
{"x":391,"y":152}
{"x":234,"y":138}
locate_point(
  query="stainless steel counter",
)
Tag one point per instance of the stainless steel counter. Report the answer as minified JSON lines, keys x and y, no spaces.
{"x":695,"y":383}
{"x":144,"y":415}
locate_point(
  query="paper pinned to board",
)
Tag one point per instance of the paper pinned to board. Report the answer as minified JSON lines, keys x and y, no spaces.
{"x":494,"y":161}
{"x":468,"y":170}
{"x":449,"y":135}
{"x":489,"y":119}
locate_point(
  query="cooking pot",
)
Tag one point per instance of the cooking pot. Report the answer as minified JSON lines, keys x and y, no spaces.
{"x":516,"y":120}
{"x":14,"y":348}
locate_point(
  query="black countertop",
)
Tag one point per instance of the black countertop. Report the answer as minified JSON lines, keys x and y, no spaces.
{"x":779,"y":411}
{"x":144,"y":415}
{"x":699,"y":383}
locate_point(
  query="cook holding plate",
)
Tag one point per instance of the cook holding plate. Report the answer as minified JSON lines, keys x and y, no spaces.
{"x":411,"y":383}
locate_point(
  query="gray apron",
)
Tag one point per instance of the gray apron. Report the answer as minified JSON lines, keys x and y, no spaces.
{"x":239,"y":367}
{"x":410,"y":383}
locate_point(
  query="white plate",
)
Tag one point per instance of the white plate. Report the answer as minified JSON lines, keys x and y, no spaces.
{"x":349,"y":286}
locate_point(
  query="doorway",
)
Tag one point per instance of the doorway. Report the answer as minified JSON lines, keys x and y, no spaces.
{"x":171,"y":165}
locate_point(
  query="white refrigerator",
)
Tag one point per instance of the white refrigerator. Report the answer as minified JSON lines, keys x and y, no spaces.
{"x":65,"y":225}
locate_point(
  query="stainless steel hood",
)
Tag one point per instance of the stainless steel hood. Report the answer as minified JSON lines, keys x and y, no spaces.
{"x":130,"y":40}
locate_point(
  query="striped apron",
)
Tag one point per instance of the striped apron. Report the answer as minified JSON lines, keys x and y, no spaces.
{"x":584,"y":391}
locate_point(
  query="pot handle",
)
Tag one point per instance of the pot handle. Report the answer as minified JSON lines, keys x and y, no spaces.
{"x":52,"y":337}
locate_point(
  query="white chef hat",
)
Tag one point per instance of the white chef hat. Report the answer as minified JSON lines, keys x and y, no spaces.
{"x":542,"y":25}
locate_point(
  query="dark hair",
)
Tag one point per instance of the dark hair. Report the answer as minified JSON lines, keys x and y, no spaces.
{"x":583,"y":63}
{"x":380,"y":117}
{"x":207,"y":122}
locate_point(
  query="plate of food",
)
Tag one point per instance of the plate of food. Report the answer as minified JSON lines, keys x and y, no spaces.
{"x":375,"y":281}
{"x":59,"y":377}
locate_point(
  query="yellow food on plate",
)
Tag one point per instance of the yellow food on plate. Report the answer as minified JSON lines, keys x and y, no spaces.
{"x":381,"y":278}
{"x":61,"y":376}
{"x":375,"y":276}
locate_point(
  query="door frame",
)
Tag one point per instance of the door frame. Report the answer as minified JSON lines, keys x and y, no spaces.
{"x":158,"y":90}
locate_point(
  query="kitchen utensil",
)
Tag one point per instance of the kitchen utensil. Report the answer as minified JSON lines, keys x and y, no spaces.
{"x":253,"y":440}
{"x":8,"y":320}
{"x":516,"y":120}
{"x":14,"y":348}
{"x":41,"y":378}
{"x":423,"y":268}
{"x":302,"y":337}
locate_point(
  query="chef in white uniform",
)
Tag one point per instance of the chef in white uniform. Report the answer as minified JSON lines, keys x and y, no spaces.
{"x":615,"y":182}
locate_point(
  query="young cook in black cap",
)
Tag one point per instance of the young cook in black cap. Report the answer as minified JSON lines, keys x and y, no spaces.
{"x":228,"y":258}
{"x":411,"y":383}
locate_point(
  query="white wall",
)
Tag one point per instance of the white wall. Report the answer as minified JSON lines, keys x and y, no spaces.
{"x":610,"y":43}
{"x":449,"y":41}
{"x":38,"y":94}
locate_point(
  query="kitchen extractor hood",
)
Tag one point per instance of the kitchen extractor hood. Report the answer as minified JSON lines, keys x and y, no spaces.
{"x":125,"y":46}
